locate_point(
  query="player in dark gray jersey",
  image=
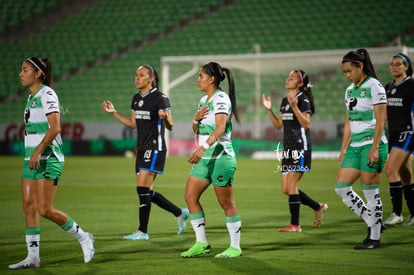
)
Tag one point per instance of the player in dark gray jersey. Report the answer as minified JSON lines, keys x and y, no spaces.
{"x":150,"y":115}
{"x":295,"y":113}
{"x":400,"y":111}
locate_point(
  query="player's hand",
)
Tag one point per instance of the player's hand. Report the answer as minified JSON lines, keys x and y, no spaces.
{"x":108,"y":107}
{"x":34,"y":162}
{"x":267,"y":103}
{"x":162,"y":114}
{"x":372,"y":157}
{"x":197,"y":155}
{"x":201,"y":114}
{"x":293,"y":100}
{"x":340,"y":158}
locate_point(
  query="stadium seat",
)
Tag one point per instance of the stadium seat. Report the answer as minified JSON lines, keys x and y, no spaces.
{"x":102,"y":30}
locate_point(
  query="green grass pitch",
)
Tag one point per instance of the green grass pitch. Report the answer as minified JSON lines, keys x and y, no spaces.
{"x":99,"y":193}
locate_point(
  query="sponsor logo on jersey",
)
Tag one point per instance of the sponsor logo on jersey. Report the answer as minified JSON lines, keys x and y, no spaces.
{"x":287,"y":116}
{"x":395,"y":102}
{"x":142,"y":115}
{"x":221,"y":106}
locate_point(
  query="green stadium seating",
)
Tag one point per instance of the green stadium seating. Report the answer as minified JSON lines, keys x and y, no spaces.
{"x":89,"y":39}
{"x":16,"y":12}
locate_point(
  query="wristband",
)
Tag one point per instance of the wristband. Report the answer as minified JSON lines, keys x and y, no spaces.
{"x":196,"y":122}
{"x":205,"y":145}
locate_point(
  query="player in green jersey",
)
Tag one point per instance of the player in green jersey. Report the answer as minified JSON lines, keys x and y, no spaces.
{"x":364,"y":146}
{"x":214,"y":161}
{"x":43,"y":162}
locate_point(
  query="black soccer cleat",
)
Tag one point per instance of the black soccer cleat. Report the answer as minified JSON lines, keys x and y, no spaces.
{"x":368,"y":244}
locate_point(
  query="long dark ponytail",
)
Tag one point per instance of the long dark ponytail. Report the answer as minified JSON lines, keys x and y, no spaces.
{"x":306,"y":88}
{"x":358,"y":57}
{"x":219,"y":73}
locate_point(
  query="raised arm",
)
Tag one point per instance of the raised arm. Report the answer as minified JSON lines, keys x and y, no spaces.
{"x":129,"y":122}
{"x":276,"y":120}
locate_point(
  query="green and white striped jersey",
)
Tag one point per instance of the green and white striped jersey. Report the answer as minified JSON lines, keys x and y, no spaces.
{"x":38,"y":106}
{"x":360,"y":102}
{"x":219,"y":103}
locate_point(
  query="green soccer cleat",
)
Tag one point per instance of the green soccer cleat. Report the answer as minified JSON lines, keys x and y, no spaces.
{"x":196,"y":250}
{"x":230,"y":252}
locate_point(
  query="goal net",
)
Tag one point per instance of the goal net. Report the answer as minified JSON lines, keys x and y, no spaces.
{"x":265,"y":73}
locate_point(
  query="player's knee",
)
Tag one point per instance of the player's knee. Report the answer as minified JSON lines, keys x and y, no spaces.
{"x":190,"y":198}
{"x":391,"y":171}
{"x":29,"y":207}
{"x":44,"y":211}
{"x":227,"y":204}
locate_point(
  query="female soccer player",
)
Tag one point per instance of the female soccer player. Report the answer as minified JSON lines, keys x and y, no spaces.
{"x":150,"y":115}
{"x":400,"y":95}
{"x":364,"y":145}
{"x":43,"y":162}
{"x":295,"y":117}
{"x":214,"y":160}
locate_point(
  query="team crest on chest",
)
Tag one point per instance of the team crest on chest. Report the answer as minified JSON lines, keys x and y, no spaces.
{"x":34,"y":104}
{"x":141,"y":103}
{"x":362,"y":93}
{"x":393,"y":91}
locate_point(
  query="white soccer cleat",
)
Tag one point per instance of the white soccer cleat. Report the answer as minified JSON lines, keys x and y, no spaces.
{"x":26,"y":263}
{"x":137,"y":235}
{"x":87,"y":248}
{"x":393,"y":219}
{"x":409,"y":221}
{"x":182,"y":221}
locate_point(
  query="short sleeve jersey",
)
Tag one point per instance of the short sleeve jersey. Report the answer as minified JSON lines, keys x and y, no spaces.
{"x":360,"y":102}
{"x":400,"y":109}
{"x":219,"y":103}
{"x":38,"y":107}
{"x":150,"y":128}
{"x":295,"y":136}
